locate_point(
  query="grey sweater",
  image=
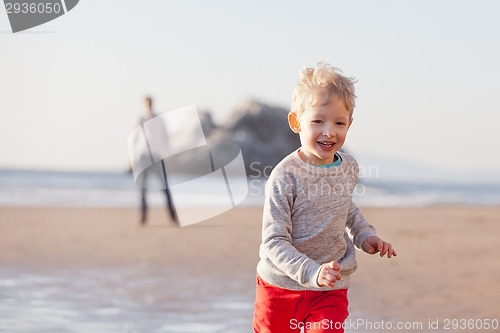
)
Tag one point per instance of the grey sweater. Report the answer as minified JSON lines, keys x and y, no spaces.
{"x":310,"y":219}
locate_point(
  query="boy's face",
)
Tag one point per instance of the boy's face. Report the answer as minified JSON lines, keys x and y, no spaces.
{"x":322,"y":131}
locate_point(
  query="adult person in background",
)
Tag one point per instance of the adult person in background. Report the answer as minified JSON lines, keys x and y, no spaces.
{"x":158,"y":138}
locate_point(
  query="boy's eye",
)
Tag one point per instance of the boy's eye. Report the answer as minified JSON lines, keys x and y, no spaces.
{"x":317,"y":121}
{"x":339,"y":123}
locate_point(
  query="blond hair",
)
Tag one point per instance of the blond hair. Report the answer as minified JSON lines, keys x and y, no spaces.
{"x":320,"y":85}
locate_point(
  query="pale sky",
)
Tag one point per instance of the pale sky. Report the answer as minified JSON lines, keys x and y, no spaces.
{"x":428,"y":71}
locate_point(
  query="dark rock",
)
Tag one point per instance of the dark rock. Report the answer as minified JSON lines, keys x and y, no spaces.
{"x":262,"y":133}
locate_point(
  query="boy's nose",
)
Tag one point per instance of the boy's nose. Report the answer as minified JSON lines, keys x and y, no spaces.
{"x":328,"y":131}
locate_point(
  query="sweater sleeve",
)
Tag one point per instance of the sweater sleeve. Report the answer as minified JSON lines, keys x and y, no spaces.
{"x":277,"y":234}
{"x":358,"y":227}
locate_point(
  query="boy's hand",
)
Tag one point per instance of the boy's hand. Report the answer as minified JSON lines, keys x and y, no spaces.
{"x":373,"y":244}
{"x":329,"y":274}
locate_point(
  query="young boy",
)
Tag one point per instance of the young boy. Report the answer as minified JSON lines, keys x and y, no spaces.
{"x":310,"y":223}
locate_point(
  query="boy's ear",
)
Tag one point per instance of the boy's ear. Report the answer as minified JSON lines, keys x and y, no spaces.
{"x":350,"y":122}
{"x":293,"y":122}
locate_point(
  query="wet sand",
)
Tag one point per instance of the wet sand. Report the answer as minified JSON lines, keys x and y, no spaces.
{"x":448,"y":263}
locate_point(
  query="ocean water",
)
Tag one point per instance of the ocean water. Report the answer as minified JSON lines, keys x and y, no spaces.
{"x":131,"y":300}
{"x":108,"y":189}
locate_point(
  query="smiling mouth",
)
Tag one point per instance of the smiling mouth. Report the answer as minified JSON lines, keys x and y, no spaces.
{"x":326,"y":144}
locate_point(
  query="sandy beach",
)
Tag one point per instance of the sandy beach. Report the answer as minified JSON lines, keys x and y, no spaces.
{"x":447,"y":267}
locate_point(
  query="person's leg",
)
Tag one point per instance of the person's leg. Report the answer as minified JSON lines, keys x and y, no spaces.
{"x":276,"y":309}
{"x":144,"y":206}
{"x":327,"y":311}
{"x":170,"y":201}
{"x":170,"y":206}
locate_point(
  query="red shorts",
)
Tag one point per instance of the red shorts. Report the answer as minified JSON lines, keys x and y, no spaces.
{"x":279,"y":310}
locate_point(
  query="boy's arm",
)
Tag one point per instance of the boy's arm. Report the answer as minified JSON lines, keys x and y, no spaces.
{"x":277,"y":236}
{"x":358,"y":227}
{"x":364,"y":235}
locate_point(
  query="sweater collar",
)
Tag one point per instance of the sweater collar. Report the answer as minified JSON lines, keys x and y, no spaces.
{"x":345,"y":167}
